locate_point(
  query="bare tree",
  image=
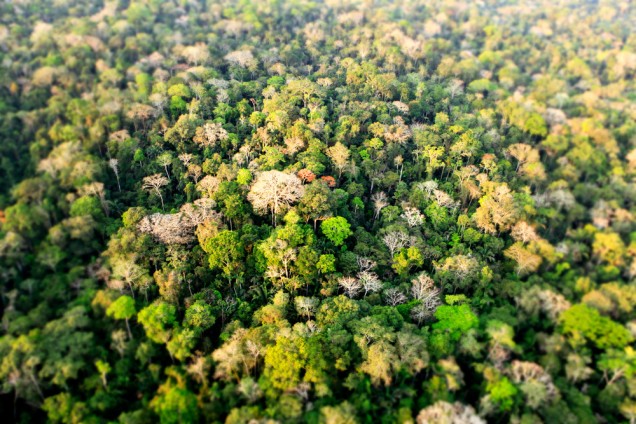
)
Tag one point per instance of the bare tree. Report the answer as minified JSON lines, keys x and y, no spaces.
{"x":412,"y":216}
{"x":210,"y":134}
{"x":365,"y":264}
{"x":394,"y":297}
{"x":306,"y":306}
{"x":424,"y":290}
{"x":395,"y":240}
{"x":275,"y":191}
{"x":154,"y":183}
{"x":455,"y":88}
{"x":129,"y":272}
{"x":444,"y":412}
{"x":369,"y":281}
{"x":186,"y":158}
{"x":379,"y":202}
{"x":114,"y":165}
{"x":350,"y":285}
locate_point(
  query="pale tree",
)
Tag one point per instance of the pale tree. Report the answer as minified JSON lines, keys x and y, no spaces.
{"x":249,"y":389}
{"x":423,"y":289}
{"x":444,"y":199}
{"x":577,"y":369}
{"x":195,"y":171}
{"x":114,"y":165}
{"x":275,"y":191}
{"x":380,"y":201}
{"x":455,"y":88}
{"x":306,"y":306}
{"x":208,"y":185}
{"x":186,"y":158}
{"x":399,"y":164}
{"x":167,"y":228}
{"x":527,"y":262}
{"x":449,"y":413}
{"x":129,"y":272}
{"x":241,"y":58}
{"x":140,"y":113}
{"x":154,"y":183}
{"x":369,"y":281}
{"x":238,"y":356}
{"x":210,"y":134}
{"x":535,"y":383}
{"x":394,"y":297}
{"x":524,"y":232}
{"x":197,"y":54}
{"x":497,"y":210}
{"x":350,"y":285}
{"x":159,"y":101}
{"x":427,"y":187}
{"x":339,"y":155}
{"x":412,"y":216}
{"x":365,"y":264}
{"x":199,"y":369}
{"x":165,"y":160}
{"x":395,"y":240}
{"x":524,"y":153}
{"x":96,"y":189}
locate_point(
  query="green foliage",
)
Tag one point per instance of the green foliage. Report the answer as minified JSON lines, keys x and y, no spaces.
{"x":122,"y":308}
{"x":582,"y":323}
{"x":458,"y":232}
{"x":455,"y":320}
{"x":336,"y":229}
{"x":157,"y":319}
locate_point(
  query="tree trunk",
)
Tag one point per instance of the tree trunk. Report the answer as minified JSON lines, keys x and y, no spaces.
{"x":128,"y":328}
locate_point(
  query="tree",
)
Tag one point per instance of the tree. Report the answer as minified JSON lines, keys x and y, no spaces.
{"x":154,"y":183}
{"x":497,"y":210}
{"x":381,"y":360}
{"x":158,"y":318}
{"x":451,"y":413}
{"x":455,"y":320}
{"x":199,"y":316}
{"x":306,"y":306}
{"x":609,"y":248}
{"x":423,"y":289}
{"x":123,"y":308}
{"x":226,"y":252}
{"x":210,"y":134}
{"x":527,"y":261}
{"x":343,"y":413}
{"x":174,"y":404}
{"x":165,"y":159}
{"x":316,"y":202}
{"x":336,"y":229}
{"x":395,"y":241}
{"x":275,"y":191}
{"x":114,"y":165}
{"x":582,"y":323}
{"x":339,"y":155}
{"x":351,"y":286}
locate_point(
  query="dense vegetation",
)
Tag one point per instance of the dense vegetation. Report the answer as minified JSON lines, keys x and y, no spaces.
{"x":318,"y":211}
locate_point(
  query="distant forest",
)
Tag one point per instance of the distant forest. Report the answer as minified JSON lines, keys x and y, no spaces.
{"x":324,"y":212}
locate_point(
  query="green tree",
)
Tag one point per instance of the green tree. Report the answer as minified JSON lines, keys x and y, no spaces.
{"x":123,"y":308}
{"x":336,"y":229}
{"x":158,"y":318}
